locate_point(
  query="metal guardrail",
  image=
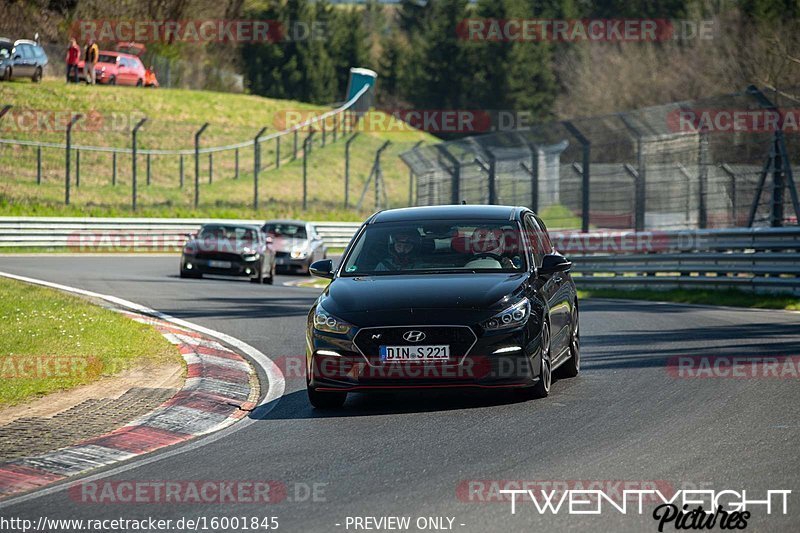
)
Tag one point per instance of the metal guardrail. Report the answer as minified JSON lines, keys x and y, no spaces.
{"x":757,"y":260}
{"x":167,"y":234}
{"x":754,"y":260}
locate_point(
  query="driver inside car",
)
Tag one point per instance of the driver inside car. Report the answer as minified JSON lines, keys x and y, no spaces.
{"x":403,"y":248}
{"x":488,"y":249}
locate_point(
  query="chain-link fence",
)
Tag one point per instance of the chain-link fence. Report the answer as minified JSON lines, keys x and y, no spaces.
{"x":711,"y":163}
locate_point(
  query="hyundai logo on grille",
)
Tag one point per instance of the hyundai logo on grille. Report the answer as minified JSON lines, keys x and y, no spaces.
{"x":413,"y":336}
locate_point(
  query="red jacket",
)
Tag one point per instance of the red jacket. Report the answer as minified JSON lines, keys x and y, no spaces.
{"x":73,"y":54}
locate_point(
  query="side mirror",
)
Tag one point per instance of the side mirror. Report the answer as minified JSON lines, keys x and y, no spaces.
{"x":552,"y":263}
{"x":322,"y":269}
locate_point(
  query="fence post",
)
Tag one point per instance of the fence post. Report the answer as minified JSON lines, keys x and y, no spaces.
{"x":77,"y":169}
{"x":197,"y":164}
{"x":181,"y":171}
{"x":335,"y":126}
{"x":776,"y":220}
{"x":278,"y":152}
{"x":347,"y":170}
{"x":294,"y":154}
{"x":585,"y":173}
{"x":113,"y":169}
{"x":702,"y":182}
{"x":236,"y":162}
{"x":38,"y":165}
{"x":455,"y":174}
{"x":306,"y":150}
{"x":533,"y":172}
{"x":210,"y":167}
{"x":72,"y":122}
{"x":257,"y":165}
{"x":411,"y":177}
{"x":324,"y":133}
{"x":148,"y":170}
{"x":731,"y":190}
{"x":640,"y":194}
{"x":133,"y":160}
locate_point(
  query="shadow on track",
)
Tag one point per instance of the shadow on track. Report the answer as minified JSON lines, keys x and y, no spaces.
{"x":295,"y":405}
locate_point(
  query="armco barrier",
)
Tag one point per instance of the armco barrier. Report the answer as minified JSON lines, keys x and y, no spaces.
{"x":87,"y":234}
{"x":758,"y":259}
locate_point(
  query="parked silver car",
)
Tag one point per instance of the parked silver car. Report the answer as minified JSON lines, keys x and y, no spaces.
{"x":297,"y":244}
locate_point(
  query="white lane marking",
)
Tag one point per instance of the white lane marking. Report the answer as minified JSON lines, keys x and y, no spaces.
{"x":275,"y":389}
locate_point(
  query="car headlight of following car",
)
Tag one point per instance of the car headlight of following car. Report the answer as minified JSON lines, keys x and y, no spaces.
{"x":511,"y":317}
{"x":324,"y":321}
{"x":299,"y":254}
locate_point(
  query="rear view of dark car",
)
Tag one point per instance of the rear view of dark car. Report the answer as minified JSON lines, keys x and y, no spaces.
{"x":229,"y":250}
{"x":22,"y":59}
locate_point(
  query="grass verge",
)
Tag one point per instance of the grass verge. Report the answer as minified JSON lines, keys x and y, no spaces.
{"x":732,"y":298}
{"x":53,"y":341}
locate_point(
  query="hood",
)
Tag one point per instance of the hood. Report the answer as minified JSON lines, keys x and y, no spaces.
{"x":286,"y":244}
{"x":230,"y":246}
{"x":350,"y":298}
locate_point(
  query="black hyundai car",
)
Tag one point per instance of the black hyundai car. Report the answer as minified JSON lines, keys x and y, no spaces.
{"x":443,"y":296}
{"x":229,"y":250}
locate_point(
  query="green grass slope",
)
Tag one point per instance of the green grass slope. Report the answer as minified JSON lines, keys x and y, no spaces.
{"x":41,"y":111}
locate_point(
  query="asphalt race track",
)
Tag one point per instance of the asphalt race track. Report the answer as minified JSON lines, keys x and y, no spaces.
{"x":625,"y":418}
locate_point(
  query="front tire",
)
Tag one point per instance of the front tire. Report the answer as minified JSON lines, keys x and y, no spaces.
{"x":37,"y":75}
{"x":7,"y":74}
{"x":542,"y":387}
{"x":140,"y":82}
{"x":112,"y":80}
{"x":326,"y":400}
{"x":572,"y":367}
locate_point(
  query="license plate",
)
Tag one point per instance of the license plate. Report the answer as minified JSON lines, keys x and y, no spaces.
{"x":219,"y":264}
{"x":281,"y":261}
{"x":391,"y":354}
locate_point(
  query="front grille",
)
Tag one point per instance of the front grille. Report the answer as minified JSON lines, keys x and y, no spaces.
{"x":459,"y":338}
{"x":281,"y":254}
{"x":219,"y":256}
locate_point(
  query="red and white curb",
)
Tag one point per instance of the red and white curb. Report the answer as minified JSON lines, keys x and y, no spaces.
{"x":220,"y":389}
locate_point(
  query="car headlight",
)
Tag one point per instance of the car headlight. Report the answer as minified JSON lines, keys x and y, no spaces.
{"x":512,"y":317}
{"x":328,"y":323}
{"x":299,"y":254}
{"x":189,"y":249}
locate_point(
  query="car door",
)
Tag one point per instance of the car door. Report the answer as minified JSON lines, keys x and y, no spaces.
{"x":123,"y":71}
{"x":551,"y":286}
{"x":545,"y":284}
{"x":23,"y":61}
{"x":564,"y":295}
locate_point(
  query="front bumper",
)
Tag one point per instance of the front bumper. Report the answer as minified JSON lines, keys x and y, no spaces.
{"x":478,"y":366}
{"x":284,"y":261}
{"x":237,"y":267}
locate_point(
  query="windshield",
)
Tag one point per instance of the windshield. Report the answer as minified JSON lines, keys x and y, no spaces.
{"x":292,"y":231}
{"x":440,"y":247}
{"x":105,"y":58}
{"x":231,"y":233}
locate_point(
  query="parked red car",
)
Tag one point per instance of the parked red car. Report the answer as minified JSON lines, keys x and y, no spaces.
{"x":115,"y":68}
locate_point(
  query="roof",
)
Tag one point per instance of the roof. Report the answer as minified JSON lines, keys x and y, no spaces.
{"x":25,"y":41}
{"x":448,"y":212}
{"x":232,"y":225}
{"x":286,"y":221}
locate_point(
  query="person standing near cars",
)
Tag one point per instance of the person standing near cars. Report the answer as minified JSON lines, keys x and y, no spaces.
{"x":90,"y":57}
{"x":73,"y":56}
